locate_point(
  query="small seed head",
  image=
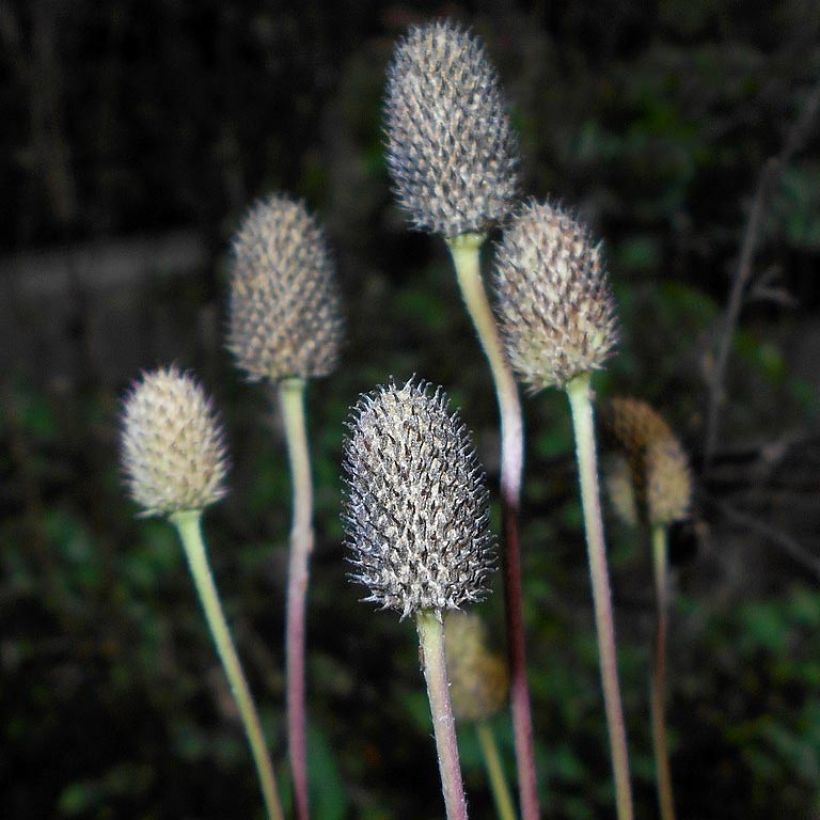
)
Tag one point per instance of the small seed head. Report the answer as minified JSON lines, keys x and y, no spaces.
{"x":172,"y":446}
{"x":451,"y":149}
{"x":554,"y":300}
{"x":284,"y":313}
{"x":479,"y":681}
{"x":416,"y":513}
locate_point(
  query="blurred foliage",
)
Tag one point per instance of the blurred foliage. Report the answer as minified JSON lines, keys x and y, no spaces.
{"x":654,"y":122}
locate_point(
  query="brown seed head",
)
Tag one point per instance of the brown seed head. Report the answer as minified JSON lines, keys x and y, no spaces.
{"x":451,"y":149}
{"x":172,"y":445}
{"x":285,"y":315}
{"x":555,"y":304}
{"x":416,"y":512}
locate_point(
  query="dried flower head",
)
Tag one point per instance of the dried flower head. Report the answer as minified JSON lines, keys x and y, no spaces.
{"x":416,"y":513}
{"x":285,"y":315}
{"x":173,"y":451}
{"x":648,"y":456}
{"x":554,"y":300}
{"x":479,"y":681}
{"x":451,"y":149}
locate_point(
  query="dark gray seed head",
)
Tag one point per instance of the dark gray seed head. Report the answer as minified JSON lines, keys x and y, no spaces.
{"x":554,"y":300}
{"x":451,"y":149}
{"x":285,"y":315}
{"x":416,"y":510}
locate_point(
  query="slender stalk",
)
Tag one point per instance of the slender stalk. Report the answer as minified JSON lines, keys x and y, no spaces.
{"x":292,"y":402}
{"x":495,"y":771}
{"x":466,"y":253}
{"x":579,"y":393}
{"x":431,"y":643}
{"x":658,"y":684}
{"x":189,"y":526}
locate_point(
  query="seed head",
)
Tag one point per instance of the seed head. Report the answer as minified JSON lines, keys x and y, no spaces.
{"x":451,"y":149}
{"x":172,"y":445}
{"x":285,"y":316}
{"x":647,"y":458}
{"x":416,"y":513}
{"x":555,"y":304}
{"x":478,"y":678}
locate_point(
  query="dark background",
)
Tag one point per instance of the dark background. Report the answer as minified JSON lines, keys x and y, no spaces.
{"x":134,"y":136}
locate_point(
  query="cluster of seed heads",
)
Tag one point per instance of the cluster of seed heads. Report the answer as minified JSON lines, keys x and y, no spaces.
{"x":451,"y":149}
{"x":648,"y":473}
{"x":284,"y":313}
{"x":173,"y":451}
{"x":416,"y":513}
{"x":555,"y":304}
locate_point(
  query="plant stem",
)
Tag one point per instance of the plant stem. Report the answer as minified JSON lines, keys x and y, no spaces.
{"x":292,"y":401}
{"x":431,"y":642}
{"x":658,"y":683}
{"x":495,"y":771}
{"x":579,"y":393}
{"x":189,"y":526}
{"x":466,"y":253}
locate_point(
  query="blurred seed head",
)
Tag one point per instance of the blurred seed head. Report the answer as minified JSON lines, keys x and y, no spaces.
{"x":479,"y":681}
{"x":172,"y":446}
{"x":451,"y":149}
{"x":648,"y":456}
{"x":284,"y":312}
{"x":416,"y":511}
{"x":554,"y":301}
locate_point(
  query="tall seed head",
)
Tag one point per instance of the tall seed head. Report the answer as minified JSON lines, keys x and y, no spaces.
{"x":416,"y":512}
{"x":451,"y":149}
{"x":172,"y":445}
{"x":555,"y":304}
{"x":285,"y":315}
{"x":649,"y":456}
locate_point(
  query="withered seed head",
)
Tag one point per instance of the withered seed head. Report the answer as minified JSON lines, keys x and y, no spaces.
{"x":479,"y":681}
{"x":172,"y":445}
{"x":649,"y":460}
{"x":451,"y":149}
{"x":554,"y":300}
{"x":285,"y":316}
{"x":416,"y":512}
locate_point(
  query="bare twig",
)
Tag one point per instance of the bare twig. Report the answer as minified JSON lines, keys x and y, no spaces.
{"x":769,"y":175}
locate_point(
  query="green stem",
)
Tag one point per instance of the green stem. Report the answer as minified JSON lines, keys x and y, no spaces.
{"x":189,"y":526}
{"x":431,"y":643}
{"x":658,"y":685}
{"x":579,"y":393}
{"x":466,"y":254}
{"x":495,"y":771}
{"x":292,"y":402}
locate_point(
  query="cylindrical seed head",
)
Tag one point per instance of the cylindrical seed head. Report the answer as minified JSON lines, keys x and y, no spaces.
{"x":416,"y":511}
{"x":479,"y":681}
{"x":554,"y":301}
{"x":649,"y":453}
{"x":172,"y":446}
{"x":284,"y":312}
{"x":451,"y":149}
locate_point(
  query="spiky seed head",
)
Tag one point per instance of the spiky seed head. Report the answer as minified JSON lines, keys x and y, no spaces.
{"x":479,"y":681}
{"x":555,"y":304}
{"x":284,"y":312}
{"x":620,"y":488}
{"x":416,"y":510}
{"x":172,"y":445}
{"x":651,"y":456}
{"x":451,"y":149}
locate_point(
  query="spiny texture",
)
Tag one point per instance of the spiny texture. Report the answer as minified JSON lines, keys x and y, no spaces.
{"x":451,"y":149}
{"x":648,"y":455}
{"x":285,"y":315}
{"x":416,"y":512}
{"x":555,"y":304}
{"x":478,"y":678}
{"x":172,"y":451}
